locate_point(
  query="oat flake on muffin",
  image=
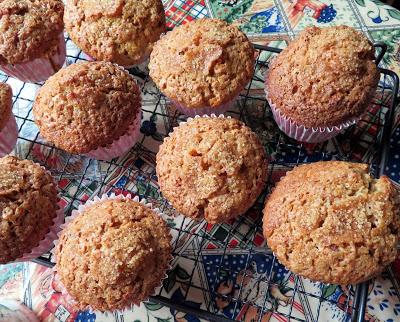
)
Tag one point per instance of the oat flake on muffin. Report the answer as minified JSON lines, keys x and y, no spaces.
{"x":332,"y":222}
{"x":212,"y":168}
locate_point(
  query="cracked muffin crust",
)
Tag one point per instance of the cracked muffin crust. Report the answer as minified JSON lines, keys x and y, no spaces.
{"x":204,"y":63}
{"x":86,"y":106}
{"x":332,"y":222}
{"x":5,"y":104}
{"x":119,"y":31}
{"x":28,"y":206}
{"x":212,"y":168}
{"x":325,"y":77}
{"x":113,"y":254}
{"x":38,"y":24}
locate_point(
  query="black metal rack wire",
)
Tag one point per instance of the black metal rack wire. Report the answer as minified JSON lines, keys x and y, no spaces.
{"x":371,"y":135}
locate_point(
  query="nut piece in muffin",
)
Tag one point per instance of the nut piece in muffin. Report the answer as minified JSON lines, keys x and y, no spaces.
{"x":86,"y":106}
{"x":204,"y":63}
{"x":39,"y":26}
{"x":121,"y":32}
{"x":5,"y":104}
{"x":113,"y":254}
{"x":28,"y":207}
{"x":325,"y":77}
{"x":332,"y":222}
{"x":212,"y":168}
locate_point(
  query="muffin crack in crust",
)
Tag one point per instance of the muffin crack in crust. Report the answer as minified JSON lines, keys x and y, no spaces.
{"x":113,"y":254}
{"x":28,"y":206}
{"x":118,"y":31}
{"x":37,"y":24}
{"x":332,"y":222}
{"x":86,"y":106}
{"x":325,"y":76}
{"x":203,"y":63}
{"x":212,"y":168}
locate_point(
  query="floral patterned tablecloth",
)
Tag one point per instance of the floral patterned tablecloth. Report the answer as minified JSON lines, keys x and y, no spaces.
{"x":267,"y":22}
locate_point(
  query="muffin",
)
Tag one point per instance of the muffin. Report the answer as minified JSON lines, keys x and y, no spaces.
{"x":332,"y":222}
{"x":322,"y":82}
{"x":202,"y":66}
{"x":90,"y":107}
{"x":212,"y":168}
{"x":28,"y":208}
{"x":122,"y":32}
{"x":114,"y":253}
{"x":8,"y":125}
{"x":39,"y":49}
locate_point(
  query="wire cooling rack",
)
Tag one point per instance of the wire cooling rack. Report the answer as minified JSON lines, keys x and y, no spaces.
{"x":220,"y":272}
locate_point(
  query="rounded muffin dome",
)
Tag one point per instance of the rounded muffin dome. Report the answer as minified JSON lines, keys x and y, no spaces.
{"x":38,"y":24}
{"x":204,"y":63}
{"x":325,"y":77}
{"x":212,"y":168}
{"x":86,"y":106}
{"x":120,"y":31}
{"x":332,"y":222}
{"x":28,"y":206}
{"x":113,"y":254}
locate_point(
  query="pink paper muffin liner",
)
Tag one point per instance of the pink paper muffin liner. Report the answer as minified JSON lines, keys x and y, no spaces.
{"x":303,"y":134}
{"x":8,"y":136}
{"x":47,"y":242}
{"x":206,"y":110}
{"x":122,"y":145}
{"x":39,"y":69}
{"x":76,"y":213}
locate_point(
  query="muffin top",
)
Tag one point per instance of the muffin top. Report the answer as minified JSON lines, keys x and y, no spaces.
{"x":332,"y":222}
{"x":204,"y":63}
{"x":38,"y":24}
{"x":115,"y":253}
{"x":86,"y":106}
{"x":212,"y":168}
{"x":120,"y":31}
{"x":325,"y":77}
{"x":5,"y":103}
{"x":28,"y":205}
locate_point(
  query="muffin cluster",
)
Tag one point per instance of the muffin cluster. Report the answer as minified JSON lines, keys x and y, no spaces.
{"x":328,"y":221}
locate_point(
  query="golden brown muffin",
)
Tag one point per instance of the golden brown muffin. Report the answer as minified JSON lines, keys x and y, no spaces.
{"x":121,"y":32}
{"x":86,"y":106}
{"x":204,"y":63}
{"x":325,"y":77}
{"x":332,"y":222}
{"x":212,"y":168}
{"x":38,"y":24}
{"x":5,"y":104}
{"x":28,"y":206}
{"x":115,"y":253}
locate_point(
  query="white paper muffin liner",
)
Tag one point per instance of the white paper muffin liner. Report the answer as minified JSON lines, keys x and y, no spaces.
{"x":8,"y":136}
{"x":206,"y":110}
{"x":47,"y":242}
{"x":75,"y":214}
{"x":303,"y":134}
{"x":121,"y":145}
{"x":39,"y":69}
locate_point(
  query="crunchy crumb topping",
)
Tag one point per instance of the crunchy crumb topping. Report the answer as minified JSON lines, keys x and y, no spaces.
{"x":121,"y":31}
{"x":86,"y":105}
{"x":332,"y":222}
{"x":206,"y":62}
{"x":28,"y":205}
{"x":5,"y":104}
{"x":212,"y":168}
{"x":38,"y":23}
{"x":325,"y":76}
{"x":113,"y":254}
